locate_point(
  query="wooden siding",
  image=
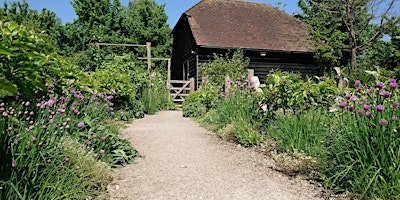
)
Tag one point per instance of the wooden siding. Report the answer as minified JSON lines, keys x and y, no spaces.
{"x":183,"y":50}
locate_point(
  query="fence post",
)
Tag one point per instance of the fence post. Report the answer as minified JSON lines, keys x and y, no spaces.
{"x":169,"y":73}
{"x":192,"y":84}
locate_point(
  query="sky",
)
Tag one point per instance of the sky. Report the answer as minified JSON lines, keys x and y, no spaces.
{"x":173,"y":8}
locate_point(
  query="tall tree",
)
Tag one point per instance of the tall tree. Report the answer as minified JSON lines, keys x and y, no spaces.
{"x":343,"y":28}
{"x":147,"y":22}
{"x":45,"y":21}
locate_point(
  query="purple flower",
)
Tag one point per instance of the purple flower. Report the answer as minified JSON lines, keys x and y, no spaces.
{"x":72,"y":91}
{"x":34,"y":139}
{"x":81,"y":124}
{"x":394,"y":119}
{"x":66,"y":127}
{"x":366,"y":107}
{"x":380,"y":108}
{"x":384,"y":94}
{"x":368,"y":114}
{"x":354,"y":98}
{"x":101,"y":151}
{"x":358,"y":89}
{"x":66,"y":159}
{"x":77,"y":167}
{"x":68,"y":119}
{"x":27,"y":103}
{"x":342,"y":104}
{"x":357,"y":83}
{"x":391,"y":80}
{"x":50,"y":85}
{"x":89,"y":142}
{"x":383,"y":122}
{"x":371,"y":89}
{"x":103,"y":138}
{"x":393,"y":85}
{"x":351,"y":108}
{"x":109,"y":97}
{"x":360,"y":112}
{"x":364,"y":101}
{"x":348,"y":96}
{"x":380,"y":85}
{"x":112,"y":91}
{"x":13,"y":164}
{"x":395,"y":104}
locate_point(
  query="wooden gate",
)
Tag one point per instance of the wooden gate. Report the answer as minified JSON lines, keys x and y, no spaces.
{"x":179,"y":89}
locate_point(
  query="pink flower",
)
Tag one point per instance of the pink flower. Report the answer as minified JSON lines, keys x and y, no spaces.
{"x":348,"y":96}
{"x":366,"y":107}
{"x":101,"y":151}
{"x":395,"y":104}
{"x":393,"y":85}
{"x":77,"y":167}
{"x":380,"y":108}
{"x":34,"y":139}
{"x":383,"y":122}
{"x":342,"y":104}
{"x":103,"y":138}
{"x":380,"y":85}
{"x":66,"y":159}
{"x":81,"y":124}
{"x":394,"y":119}
{"x":368,"y":114}
{"x":14,"y":164}
{"x":357,"y":83}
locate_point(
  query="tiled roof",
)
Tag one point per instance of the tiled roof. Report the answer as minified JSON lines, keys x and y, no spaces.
{"x":248,"y":25}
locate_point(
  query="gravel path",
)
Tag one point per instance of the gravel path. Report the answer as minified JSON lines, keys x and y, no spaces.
{"x":182,"y":160}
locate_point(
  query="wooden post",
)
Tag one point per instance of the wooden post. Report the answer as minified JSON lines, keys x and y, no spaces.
{"x":148,"y":46}
{"x":250,"y":73}
{"x":169,"y":73}
{"x":192,"y":84}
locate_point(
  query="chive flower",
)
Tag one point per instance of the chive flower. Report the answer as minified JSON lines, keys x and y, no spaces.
{"x":393,"y":85}
{"x":380,"y":108}
{"x":342,"y":104}
{"x":360,"y":112}
{"x":101,"y":151}
{"x":368,"y":114}
{"x":366,"y":107}
{"x":348,"y":96}
{"x":383,"y":122}
{"x":354,"y":98}
{"x":380,"y":85}
{"x":357,"y":83}
{"x":351,"y":108}
{"x":81,"y":124}
{"x":14,"y":164}
{"x":384,"y":94}
{"x":395,"y":104}
{"x":394,"y":118}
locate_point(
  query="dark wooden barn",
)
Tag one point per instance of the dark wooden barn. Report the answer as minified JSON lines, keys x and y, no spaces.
{"x":271,"y":38}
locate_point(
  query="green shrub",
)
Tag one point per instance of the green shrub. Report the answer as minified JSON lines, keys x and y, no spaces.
{"x":246,"y":134}
{"x":220,"y":67}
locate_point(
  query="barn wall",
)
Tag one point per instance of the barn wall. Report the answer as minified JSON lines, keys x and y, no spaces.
{"x":184,"y":49}
{"x":303,"y":63}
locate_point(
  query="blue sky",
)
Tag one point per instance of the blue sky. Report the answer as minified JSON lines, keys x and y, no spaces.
{"x":173,"y":8}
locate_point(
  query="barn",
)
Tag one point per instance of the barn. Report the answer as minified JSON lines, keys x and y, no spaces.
{"x":271,"y":38}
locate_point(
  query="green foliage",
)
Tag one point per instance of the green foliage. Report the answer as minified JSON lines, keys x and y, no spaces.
{"x":223,"y":66}
{"x":364,"y":144}
{"x":199,"y":102}
{"x":53,"y":149}
{"x":29,"y":63}
{"x":287,"y":91}
{"x":146,"y":21}
{"x":304,"y":131}
{"x":246,"y":134}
